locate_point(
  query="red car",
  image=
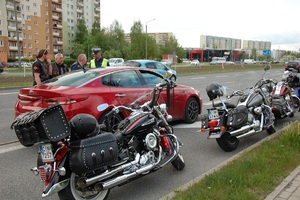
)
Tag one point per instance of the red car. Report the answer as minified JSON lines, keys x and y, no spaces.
{"x":84,"y":92}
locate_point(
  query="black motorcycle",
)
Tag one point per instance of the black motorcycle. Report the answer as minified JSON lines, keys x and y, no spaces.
{"x":84,"y":160}
{"x":227,"y":122}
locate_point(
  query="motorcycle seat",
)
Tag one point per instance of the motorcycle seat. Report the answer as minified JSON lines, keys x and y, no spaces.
{"x":228,"y":105}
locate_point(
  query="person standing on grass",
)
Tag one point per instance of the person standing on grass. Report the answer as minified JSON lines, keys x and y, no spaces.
{"x":58,"y":66}
{"x":41,"y":68}
{"x":80,"y":63}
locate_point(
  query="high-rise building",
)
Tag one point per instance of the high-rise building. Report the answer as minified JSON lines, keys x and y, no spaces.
{"x":43,"y":24}
{"x":219,"y":43}
{"x":160,"y":37}
{"x":258,"y":45}
{"x":74,"y":10}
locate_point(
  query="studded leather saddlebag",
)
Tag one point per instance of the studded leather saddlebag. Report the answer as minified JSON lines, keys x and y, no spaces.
{"x":49,"y":124}
{"x":93,"y":153}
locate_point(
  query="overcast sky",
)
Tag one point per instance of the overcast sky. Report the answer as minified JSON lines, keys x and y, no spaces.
{"x":276,"y":21}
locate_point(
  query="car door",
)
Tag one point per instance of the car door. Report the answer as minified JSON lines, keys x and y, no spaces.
{"x":161,"y":68}
{"x":125,"y":86}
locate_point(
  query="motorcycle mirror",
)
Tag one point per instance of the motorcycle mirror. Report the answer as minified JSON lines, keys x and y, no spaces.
{"x":168,"y":74}
{"x":102,"y":107}
{"x":266,"y":68}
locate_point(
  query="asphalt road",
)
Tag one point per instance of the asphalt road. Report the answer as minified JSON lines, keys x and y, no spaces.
{"x":200,"y":154}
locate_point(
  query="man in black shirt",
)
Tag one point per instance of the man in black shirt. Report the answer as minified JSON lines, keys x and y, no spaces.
{"x":58,"y":66}
{"x":41,"y":68}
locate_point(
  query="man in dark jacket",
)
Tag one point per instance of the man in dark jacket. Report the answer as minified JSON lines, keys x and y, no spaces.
{"x":41,"y":68}
{"x":58,"y":66}
{"x":80,"y":63}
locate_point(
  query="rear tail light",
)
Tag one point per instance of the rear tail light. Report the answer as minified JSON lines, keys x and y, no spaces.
{"x":66,"y":100}
{"x":213,"y":123}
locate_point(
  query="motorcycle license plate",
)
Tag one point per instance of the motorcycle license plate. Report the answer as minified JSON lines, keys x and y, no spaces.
{"x":46,"y":153}
{"x":213,"y":114}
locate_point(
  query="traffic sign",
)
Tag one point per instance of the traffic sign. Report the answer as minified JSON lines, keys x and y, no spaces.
{"x":266,"y":52}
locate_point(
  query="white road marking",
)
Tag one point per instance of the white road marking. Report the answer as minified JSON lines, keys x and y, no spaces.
{"x":202,"y":77}
{"x":10,"y":147}
{"x":197,"y":124}
{"x":9,"y":93}
{"x":222,"y":76}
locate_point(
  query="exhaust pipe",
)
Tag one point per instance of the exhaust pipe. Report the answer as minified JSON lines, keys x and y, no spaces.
{"x":121,"y":179}
{"x":247,"y":134}
{"x":241,"y":130}
{"x":88,"y":181}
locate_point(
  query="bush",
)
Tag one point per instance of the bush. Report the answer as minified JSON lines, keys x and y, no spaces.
{"x":69,"y":61}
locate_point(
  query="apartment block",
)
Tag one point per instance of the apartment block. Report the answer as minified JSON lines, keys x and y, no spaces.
{"x":258,"y":45}
{"x":219,"y":43}
{"x":74,"y":10}
{"x":160,"y":37}
{"x":43,"y":24}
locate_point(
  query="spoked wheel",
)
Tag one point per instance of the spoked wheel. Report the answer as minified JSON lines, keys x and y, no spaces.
{"x":271,"y":129}
{"x":74,"y":192}
{"x":296,"y":103}
{"x":178,"y":162}
{"x":191,"y":111}
{"x":227,"y":142}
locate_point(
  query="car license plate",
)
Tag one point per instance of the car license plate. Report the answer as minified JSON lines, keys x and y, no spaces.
{"x":46,"y":153}
{"x":213,"y":114}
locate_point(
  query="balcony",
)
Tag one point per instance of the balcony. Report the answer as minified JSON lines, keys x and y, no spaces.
{"x":19,"y":19}
{"x":11,"y":28}
{"x":59,"y":42}
{"x":56,"y":1}
{"x":55,"y":34}
{"x":58,"y":9}
{"x":12,"y":38}
{"x":13,"y":48}
{"x":10,"y":7}
{"x":97,"y":9}
{"x":97,"y":15}
{"x":55,"y":17}
{"x":80,"y":4}
{"x":56,"y":50}
{"x":59,"y":26}
{"x":79,"y":11}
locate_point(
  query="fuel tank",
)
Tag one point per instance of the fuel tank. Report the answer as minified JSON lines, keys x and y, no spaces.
{"x":255,"y":99}
{"x":137,"y":123}
{"x":280,"y":90}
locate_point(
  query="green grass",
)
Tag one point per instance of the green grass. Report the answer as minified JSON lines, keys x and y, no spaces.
{"x":16,"y":80}
{"x":253,"y":175}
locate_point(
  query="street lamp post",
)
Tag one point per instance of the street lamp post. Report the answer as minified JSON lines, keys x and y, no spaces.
{"x":147,"y":36}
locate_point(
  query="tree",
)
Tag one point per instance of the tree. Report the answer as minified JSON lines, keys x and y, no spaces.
{"x":81,"y":32}
{"x":138,"y":39}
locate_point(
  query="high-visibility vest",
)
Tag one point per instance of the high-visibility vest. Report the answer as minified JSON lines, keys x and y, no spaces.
{"x":103,"y":64}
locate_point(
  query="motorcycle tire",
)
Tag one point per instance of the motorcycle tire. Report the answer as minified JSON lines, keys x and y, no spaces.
{"x":72,"y":193}
{"x":227,"y":142}
{"x":178,"y":162}
{"x":296,"y":103}
{"x":271,"y":130}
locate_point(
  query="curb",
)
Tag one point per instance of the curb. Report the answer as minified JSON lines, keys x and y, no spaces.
{"x":16,"y":87}
{"x":184,"y":187}
{"x":283,"y":184}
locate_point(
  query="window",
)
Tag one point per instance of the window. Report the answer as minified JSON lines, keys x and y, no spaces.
{"x":160,"y":66}
{"x":35,"y":23}
{"x":36,"y":41}
{"x":35,"y":13}
{"x":46,"y":13}
{"x":24,"y":45}
{"x":47,"y":47}
{"x":36,"y":32}
{"x":36,"y":50}
{"x":28,"y":8}
{"x":1,"y":43}
{"x":29,"y":36}
{"x":150,"y":78}
{"x":126,"y":79}
{"x":150,"y":65}
{"x":24,"y":54}
{"x":29,"y":27}
{"x":46,"y":21}
{"x":0,"y":22}
{"x":29,"y":46}
{"x":24,"y":36}
{"x":28,"y":17}
{"x":47,"y":30}
{"x":46,"y":4}
{"x":47,"y":38}
{"x":23,"y":16}
{"x":34,"y":4}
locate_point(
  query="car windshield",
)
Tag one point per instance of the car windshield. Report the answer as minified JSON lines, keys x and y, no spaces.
{"x":132,"y":64}
{"x":112,"y":60}
{"x":73,"y":79}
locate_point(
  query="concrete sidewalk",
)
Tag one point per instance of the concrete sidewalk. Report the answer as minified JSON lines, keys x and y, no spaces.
{"x":289,"y":189}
